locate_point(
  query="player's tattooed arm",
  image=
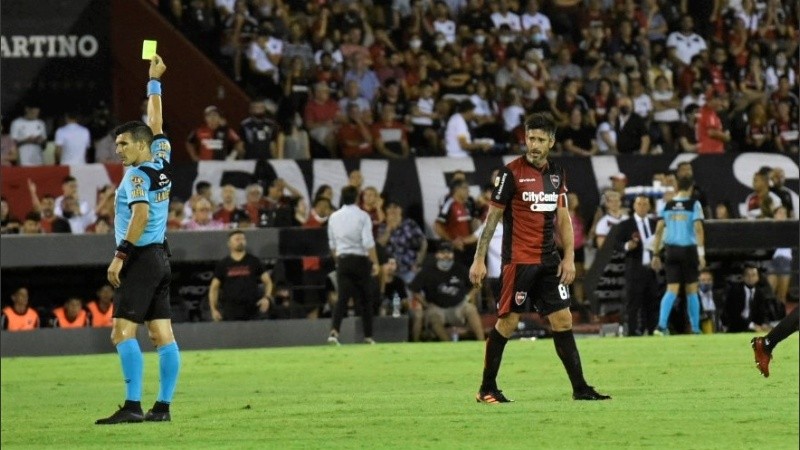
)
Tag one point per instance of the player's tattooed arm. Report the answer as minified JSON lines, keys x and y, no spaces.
{"x":492,"y":219}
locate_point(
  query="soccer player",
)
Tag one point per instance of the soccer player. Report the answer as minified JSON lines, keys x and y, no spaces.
{"x":681,"y":230}
{"x":140,"y":270}
{"x":763,"y":346}
{"x":528,"y":193}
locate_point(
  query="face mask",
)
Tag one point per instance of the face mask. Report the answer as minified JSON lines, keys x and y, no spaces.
{"x":625,"y":110}
{"x":327,"y":46}
{"x":439,"y":43}
{"x":532,"y":67}
{"x":551,"y":94}
{"x":444,"y":264}
{"x":536,"y":38}
{"x":780,"y":62}
{"x":415,"y":43}
{"x":704,"y":287}
{"x":480,"y":39}
{"x":506,"y":39}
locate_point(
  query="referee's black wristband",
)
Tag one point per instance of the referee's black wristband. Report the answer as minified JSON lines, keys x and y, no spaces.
{"x":125,"y":247}
{"x":155,"y":79}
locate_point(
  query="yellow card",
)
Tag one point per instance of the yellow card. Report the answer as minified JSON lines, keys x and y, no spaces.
{"x":148,"y":49}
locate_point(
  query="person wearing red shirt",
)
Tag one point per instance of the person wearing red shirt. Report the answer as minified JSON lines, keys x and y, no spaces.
{"x":456,"y":220}
{"x":228,"y":212}
{"x":354,"y":139}
{"x":711,"y":138}
{"x":214,"y":140}
{"x":321,"y":116}
{"x":389,"y":135}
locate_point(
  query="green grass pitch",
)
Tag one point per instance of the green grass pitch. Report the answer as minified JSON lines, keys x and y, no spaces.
{"x":678,"y":392}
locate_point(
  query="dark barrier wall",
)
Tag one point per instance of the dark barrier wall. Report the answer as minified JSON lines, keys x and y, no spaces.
{"x":55,"y":52}
{"x":202,"y":336}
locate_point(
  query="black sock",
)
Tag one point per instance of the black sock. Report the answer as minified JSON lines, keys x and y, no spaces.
{"x":160,"y":407}
{"x":130,"y":405}
{"x":491,"y":363}
{"x":784,"y":329}
{"x":568,"y":352}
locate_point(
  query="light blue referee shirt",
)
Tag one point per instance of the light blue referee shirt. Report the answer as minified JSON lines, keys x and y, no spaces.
{"x":350,"y":231}
{"x":148,"y":182}
{"x":679,"y":216}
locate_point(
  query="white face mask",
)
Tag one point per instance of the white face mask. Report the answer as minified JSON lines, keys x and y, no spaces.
{"x":440,"y":43}
{"x":506,"y":39}
{"x":780,"y":62}
{"x":551,"y":94}
{"x":415,"y":43}
{"x":444,"y":264}
{"x":532,"y":67}
{"x":480,"y":39}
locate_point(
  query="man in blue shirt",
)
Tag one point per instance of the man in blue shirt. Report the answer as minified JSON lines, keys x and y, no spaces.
{"x":681,"y":230}
{"x":140,"y":270}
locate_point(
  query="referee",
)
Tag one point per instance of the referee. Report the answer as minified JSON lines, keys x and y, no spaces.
{"x":353,"y":249}
{"x":140,"y":270}
{"x":681,"y":230}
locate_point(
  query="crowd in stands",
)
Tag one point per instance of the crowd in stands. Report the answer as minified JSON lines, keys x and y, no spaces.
{"x":402,"y":78}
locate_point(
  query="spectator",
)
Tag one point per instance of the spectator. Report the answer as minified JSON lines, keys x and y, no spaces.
{"x":746,"y":304}
{"x":758,"y":133}
{"x":441,"y":22}
{"x":71,"y":314}
{"x":238,"y":30}
{"x":424,"y":120}
{"x":614,"y":215}
{"x":320,"y":212}
{"x":578,"y":138}
{"x":321,"y":116}
{"x":214,"y":140}
{"x":72,"y":141}
{"x":69,"y":188}
{"x":264,"y":59}
{"x":443,"y":295}
{"x":393,"y":293}
{"x":297,"y":84}
{"x":254,"y":203}
{"x":458,"y":140}
{"x":665,"y":110}
{"x":297,"y":47}
{"x":784,"y":94}
{"x":684,"y":44}
{"x":603,"y":100}
{"x":30,"y":134}
{"x":45,"y":209}
{"x":372,"y":203}
{"x":8,"y":223}
{"x":176,"y":215}
{"x":228,"y":212}
{"x":687,"y":131}
{"x":779,"y":269}
{"x":762,"y":203}
{"x":780,"y":69}
{"x":777,"y":178}
{"x":20,"y":316}
{"x":263,"y":138}
{"x":632,"y":134}
{"x":238,"y":276}
{"x":296,"y":144}
{"x":403,"y":240}
{"x":368,"y":83}
{"x":625,"y":50}
{"x":33,"y":224}
{"x":607,"y":133}
{"x":711,"y":302}
{"x":711,"y":138}
{"x":9,"y":153}
{"x":456,"y":220}
{"x":279,"y":207}
{"x":785,"y":131}
{"x":504,"y":16}
{"x":513,"y":111}
{"x":354,"y":139}
{"x":78,"y":222}
{"x":723,"y":211}
{"x":202,"y":217}
{"x":324,"y":191}
{"x":202,"y":190}
{"x":642,"y":103}
{"x":390,"y":137}
{"x":102,"y":225}
{"x":353,"y":95}
{"x":531,"y":18}
{"x":101,"y":311}
{"x":641,"y":284}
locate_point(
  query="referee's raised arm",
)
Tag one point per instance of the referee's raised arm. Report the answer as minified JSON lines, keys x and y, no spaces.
{"x":155,"y":118}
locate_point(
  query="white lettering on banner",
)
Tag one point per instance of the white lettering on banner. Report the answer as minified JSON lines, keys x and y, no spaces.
{"x":747,"y":164}
{"x":50,"y":46}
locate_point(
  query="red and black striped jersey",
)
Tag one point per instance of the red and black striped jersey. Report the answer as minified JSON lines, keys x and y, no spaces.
{"x":529,"y":198}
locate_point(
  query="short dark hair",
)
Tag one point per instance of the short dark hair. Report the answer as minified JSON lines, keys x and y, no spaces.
{"x":33,"y":216}
{"x":541,"y":121}
{"x":465,"y":106}
{"x":349,"y":195}
{"x":68,"y":178}
{"x":201,"y":186}
{"x":683,"y":163}
{"x":139,"y":131}
{"x":234,"y":233}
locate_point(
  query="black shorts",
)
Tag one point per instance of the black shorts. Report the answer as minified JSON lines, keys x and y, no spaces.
{"x":143,"y":294}
{"x":535,"y":282}
{"x":681,"y":264}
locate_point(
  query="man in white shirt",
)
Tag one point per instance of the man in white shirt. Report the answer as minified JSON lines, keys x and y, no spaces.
{"x":533,"y":18}
{"x":78,"y":222}
{"x":69,"y":188}
{"x":506,"y":17}
{"x":30,"y":134}
{"x":684,"y":44}
{"x":457,"y":137}
{"x":72,"y":142}
{"x":353,"y":248}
